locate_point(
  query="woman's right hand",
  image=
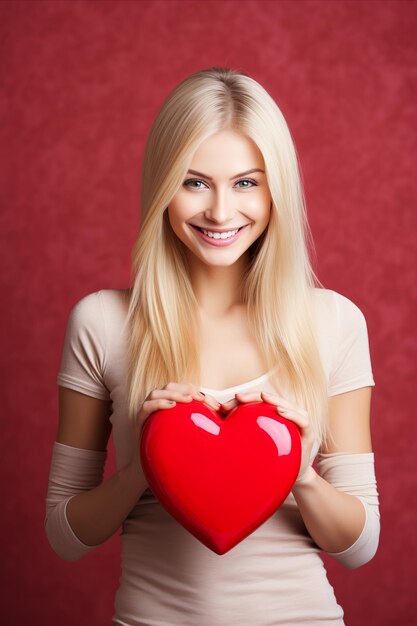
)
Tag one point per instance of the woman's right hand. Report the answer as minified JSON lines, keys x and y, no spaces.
{"x":158,"y":399}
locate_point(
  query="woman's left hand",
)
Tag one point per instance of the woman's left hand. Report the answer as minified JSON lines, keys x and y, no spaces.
{"x":290,"y":411}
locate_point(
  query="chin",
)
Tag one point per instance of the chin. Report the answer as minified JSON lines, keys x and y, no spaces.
{"x":223,"y":262}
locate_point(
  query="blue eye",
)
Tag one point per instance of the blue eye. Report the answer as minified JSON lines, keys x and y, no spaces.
{"x":187,"y":183}
{"x":192,"y":180}
{"x":246,"y":180}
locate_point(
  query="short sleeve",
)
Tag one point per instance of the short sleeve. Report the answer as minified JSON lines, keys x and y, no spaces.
{"x":83,"y":360}
{"x":351,"y":360}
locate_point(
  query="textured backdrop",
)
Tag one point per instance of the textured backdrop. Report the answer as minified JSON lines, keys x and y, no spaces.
{"x":80,"y":85}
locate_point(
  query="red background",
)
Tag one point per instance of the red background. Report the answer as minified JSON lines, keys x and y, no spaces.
{"x":81,"y":83}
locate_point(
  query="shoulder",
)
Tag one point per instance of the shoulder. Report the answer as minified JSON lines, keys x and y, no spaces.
{"x":335,"y":304}
{"x":116,"y":298}
{"x":321,"y":297}
{"x":323,"y":304}
{"x":115,"y":301}
{"x":338,"y":320}
{"x":101,"y":309}
{"x":350,"y":318}
{"x":343,"y":328}
{"x":86,"y":310}
{"x":115,"y":306}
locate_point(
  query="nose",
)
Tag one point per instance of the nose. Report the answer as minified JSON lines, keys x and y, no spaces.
{"x":221,"y":209}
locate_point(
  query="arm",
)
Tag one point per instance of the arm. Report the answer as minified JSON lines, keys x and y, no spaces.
{"x":344,"y":524}
{"x":81,"y":511}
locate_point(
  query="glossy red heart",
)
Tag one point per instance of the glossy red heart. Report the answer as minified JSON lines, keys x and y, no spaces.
{"x":220,"y":477}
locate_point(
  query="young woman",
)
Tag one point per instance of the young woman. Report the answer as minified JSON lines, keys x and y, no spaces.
{"x":225,"y":302}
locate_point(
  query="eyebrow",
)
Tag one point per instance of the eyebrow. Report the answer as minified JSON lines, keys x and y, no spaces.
{"x":232,"y":178}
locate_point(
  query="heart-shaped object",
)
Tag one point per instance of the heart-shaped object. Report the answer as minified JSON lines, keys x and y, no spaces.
{"x":220,"y":477}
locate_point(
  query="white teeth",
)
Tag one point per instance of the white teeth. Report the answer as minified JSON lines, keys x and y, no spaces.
{"x":213,"y":235}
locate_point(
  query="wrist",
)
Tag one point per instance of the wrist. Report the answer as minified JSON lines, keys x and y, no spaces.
{"x":133,"y":478}
{"x":308,"y":477}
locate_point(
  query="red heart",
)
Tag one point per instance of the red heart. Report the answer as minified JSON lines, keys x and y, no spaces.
{"x":220,"y":478}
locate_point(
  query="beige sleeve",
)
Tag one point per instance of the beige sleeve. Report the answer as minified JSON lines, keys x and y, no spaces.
{"x":72,"y":471}
{"x":84,"y":354}
{"x":355,"y":474}
{"x":351,"y":363}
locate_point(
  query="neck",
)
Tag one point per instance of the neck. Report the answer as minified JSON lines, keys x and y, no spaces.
{"x":217,"y":289}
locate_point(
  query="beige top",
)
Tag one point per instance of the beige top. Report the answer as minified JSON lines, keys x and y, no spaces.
{"x":275,"y":575}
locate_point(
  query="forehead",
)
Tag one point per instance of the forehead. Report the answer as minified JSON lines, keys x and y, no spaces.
{"x":226,"y":152}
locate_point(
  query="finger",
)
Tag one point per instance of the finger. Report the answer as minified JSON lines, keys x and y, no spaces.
{"x":212,"y":402}
{"x":149,"y":407}
{"x":248,"y":397}
{"x":285,"y":399}
{"x":175,"y":386}
{"x":276,"y":399}
{"x":295,"y":410}
{"x":191,"y":390}
{"x":298,"y":419}
{"x":229,"y":404}
{"x":185,"y":388}
{"x":177,"y":395}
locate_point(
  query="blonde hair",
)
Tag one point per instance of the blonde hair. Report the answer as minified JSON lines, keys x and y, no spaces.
{"x":279,"y":281}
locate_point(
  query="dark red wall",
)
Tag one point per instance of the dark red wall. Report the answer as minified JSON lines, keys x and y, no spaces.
{"x":80,"y":85}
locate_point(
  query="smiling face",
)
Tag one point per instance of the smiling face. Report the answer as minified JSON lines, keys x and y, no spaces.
{"x":225,"y":190}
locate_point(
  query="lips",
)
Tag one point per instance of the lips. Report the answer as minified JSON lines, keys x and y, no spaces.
{"x":200,"y":228}
{"x":219,"y":241}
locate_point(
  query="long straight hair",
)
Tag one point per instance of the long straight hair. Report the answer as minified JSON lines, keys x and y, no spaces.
{"x":279,"y":281}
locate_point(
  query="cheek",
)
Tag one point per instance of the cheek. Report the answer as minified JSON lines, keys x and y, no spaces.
{"x":182,"y":208}
{"x":259,"y":209}
{"x":175,"y":214}
{"x":267,"y":207}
